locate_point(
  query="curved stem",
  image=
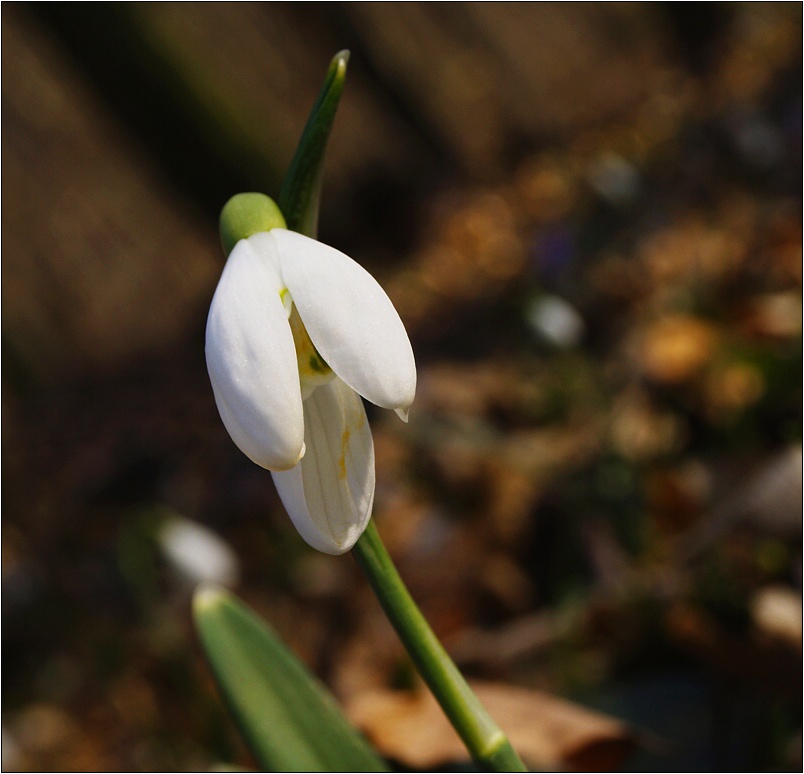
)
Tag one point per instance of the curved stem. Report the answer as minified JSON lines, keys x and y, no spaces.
{"x":487,"y":744}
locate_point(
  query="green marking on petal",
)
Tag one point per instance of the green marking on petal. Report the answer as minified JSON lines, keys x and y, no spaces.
{"x":287,"y":301}
{"x":317,"y":364}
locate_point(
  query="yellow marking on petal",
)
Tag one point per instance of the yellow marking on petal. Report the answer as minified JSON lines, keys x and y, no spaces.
{"x":287,"y":301}
{"x":342,"y":460}
{"x":313,"y":369}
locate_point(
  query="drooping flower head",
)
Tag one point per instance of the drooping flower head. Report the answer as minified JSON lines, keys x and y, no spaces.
{"x":297,"y":332}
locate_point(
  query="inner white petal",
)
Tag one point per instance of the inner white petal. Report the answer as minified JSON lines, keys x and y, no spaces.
{"x":329,"y":495}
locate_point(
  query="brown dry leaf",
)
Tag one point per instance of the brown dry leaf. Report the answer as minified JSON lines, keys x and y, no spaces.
{"x":691,"y":250}
{"x":546,"y":187}
{"x":43,"y":727}
{"x":775,"y":315}
{"x":731,"y":387}
{"x":674,"y":348}
{"x":677,"y":495}
{"x":546,"y":731}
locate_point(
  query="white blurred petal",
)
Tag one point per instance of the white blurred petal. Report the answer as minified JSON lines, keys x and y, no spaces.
{"x":329,"y":494}
{"x":614,"y":178}
{"x":251,"y":358}
{"x":197,"y":553}
{"x":556,"y":320}
{"x":350,"y":319}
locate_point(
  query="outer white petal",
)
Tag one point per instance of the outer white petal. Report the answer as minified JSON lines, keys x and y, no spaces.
{"x":350,"y":319}
{"x":251,"y":358}
{"x":329,"y":494}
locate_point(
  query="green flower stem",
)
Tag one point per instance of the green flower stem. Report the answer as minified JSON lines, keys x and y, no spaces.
{"x":487,"y":744}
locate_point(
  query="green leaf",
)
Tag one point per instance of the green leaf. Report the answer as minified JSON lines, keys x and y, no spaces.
{"x":288,"y":717}
{"x":301,"y":190}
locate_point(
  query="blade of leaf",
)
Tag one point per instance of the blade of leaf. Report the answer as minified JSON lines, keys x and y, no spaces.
{"x":301,"y":189}
{"x":289,"y":719}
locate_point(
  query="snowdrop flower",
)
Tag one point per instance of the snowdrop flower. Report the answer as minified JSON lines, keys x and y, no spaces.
{"x":297,"y":332}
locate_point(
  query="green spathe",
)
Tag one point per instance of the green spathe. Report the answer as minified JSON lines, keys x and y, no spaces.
{"x":301,"y":191}
{"x":246,"y":214}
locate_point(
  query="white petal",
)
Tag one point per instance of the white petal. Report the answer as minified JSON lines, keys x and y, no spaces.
{"x":329,"y":494}
{"x":350,"y":319}
{"x":251,"y":358}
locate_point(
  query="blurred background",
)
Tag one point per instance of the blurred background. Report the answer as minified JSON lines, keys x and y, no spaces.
{"x":589,"y":218}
